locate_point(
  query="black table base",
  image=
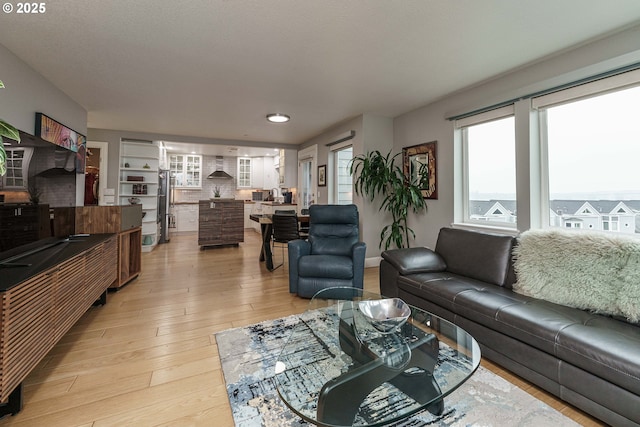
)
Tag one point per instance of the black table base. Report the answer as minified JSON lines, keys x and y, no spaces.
{"x":409,"y":369}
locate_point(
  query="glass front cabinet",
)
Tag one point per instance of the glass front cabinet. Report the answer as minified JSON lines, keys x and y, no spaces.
{"x":186,"y":170}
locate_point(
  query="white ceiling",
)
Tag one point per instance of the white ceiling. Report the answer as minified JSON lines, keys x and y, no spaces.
{"x":219,"y":149}
{"x":215,"y":68}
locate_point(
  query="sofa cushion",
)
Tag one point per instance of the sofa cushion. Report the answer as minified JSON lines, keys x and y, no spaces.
{"x":329,"y":266}
{"x":441,"y":288}
{"x":481,"y":256}
{"x":605,"y":347}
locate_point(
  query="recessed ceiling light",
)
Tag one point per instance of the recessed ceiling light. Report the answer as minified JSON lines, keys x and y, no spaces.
{"x":278,"y":118}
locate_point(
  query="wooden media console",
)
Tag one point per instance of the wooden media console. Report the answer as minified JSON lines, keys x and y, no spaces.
{"x":46,"y":287}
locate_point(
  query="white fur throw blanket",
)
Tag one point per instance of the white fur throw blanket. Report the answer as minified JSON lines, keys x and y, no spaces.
{"x":586,"y":270}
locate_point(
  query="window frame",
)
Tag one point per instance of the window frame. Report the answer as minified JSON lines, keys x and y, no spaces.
{"x":9,"y":178}
{"x":463,"y":214}
{"x":334,"y":183}
{"x":532,"y":166}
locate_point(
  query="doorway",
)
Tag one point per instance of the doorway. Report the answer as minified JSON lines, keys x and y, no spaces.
{"x":95,"y":178}
{"x":307,"y":177}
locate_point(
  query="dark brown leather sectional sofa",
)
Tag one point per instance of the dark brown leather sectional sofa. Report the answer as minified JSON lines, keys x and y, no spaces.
{"x":588,"y":360}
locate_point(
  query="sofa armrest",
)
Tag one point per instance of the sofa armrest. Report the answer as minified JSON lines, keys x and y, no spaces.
{"x":414,"y":260}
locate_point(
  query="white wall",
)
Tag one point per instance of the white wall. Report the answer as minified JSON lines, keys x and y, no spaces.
{"x":27,"y":92}
{"x":372,"y":133}
{"x":430,"y":123}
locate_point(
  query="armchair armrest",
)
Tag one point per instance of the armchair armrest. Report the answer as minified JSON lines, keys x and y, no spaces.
{"x":358,"y":254}
{"x":296,"y":249}
{"x":414,"y":260}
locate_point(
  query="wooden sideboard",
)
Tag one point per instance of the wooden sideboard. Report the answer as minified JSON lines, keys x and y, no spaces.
{"x":22,"y":223}
{"x":125,"y":220}
{"x":220,"y":222}
{"x":45,"y":290}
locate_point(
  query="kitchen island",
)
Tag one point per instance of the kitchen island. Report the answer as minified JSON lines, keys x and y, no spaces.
{"x":220,"y":222}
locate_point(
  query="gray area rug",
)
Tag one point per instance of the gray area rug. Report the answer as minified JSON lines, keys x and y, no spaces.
{"x":248,"y":357}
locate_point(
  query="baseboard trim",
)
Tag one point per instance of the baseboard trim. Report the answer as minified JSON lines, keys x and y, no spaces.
{"x":372,"y":262}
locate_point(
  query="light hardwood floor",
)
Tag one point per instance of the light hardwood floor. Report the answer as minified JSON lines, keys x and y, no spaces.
{"x":149,"y":357}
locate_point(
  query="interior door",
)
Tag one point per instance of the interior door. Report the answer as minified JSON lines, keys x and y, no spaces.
{"x":307,"y":194}
{"x":307,"y":181}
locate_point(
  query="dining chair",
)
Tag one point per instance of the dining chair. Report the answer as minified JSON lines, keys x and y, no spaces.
{"x":304,"y":228}
{"x":284,"y":229}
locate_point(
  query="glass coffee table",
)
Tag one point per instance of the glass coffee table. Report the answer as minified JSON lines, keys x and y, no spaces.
{"x":337,"y":369}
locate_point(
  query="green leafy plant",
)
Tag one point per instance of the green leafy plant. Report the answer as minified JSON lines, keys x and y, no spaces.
{"x":6,"y":130}
{"x":378,"y":176}
{"x":216,"y":191}
{"x":34,"y":194}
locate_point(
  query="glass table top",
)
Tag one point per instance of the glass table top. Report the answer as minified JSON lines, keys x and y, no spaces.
{"x":337,"y":369}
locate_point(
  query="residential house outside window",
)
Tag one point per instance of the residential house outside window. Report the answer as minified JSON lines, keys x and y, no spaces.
{"x":576,"y":152}
{"x":489,"y":174}
{"x":593,"y":147}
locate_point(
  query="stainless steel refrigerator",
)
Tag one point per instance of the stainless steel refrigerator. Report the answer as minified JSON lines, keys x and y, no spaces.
{"x":164,"y":201}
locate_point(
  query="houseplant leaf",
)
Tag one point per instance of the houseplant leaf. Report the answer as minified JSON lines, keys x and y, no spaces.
{"x":376,"y":176}
{"x":6,"y":130}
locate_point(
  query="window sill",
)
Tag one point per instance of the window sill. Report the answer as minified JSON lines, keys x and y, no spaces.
{"x":486,"y":228}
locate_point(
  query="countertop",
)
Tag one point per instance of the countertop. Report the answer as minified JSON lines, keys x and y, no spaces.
{"x":214,"y":199}
{"x":279,"y":204}
{"x":41,"y":255}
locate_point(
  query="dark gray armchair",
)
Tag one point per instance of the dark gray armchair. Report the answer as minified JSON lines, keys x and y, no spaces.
{"x":332,"y":255}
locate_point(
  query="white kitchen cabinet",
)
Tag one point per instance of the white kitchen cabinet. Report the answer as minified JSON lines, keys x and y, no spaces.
{"x":248,"y":208}
{"x":186,"y":217}
{"x":270,"y":175}
{"x":244,"y":172}
{"x":287,"y":169}
{"x":186,"y":170}
{"x":256,"y":208}
{"x":257,"y":172}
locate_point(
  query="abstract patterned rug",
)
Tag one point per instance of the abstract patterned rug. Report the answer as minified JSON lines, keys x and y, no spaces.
{"x":248,"y":357}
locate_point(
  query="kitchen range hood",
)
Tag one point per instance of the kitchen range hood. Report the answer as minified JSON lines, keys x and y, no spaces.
{"x":64,"y":163}
{"x":219,"y":173}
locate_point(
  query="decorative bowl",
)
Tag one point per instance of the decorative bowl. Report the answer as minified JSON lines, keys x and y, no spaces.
{"x":385,"y":315}
{"x":134,"y":200}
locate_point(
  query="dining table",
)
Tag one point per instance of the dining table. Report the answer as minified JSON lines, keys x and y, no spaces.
{"x":266,"y":231}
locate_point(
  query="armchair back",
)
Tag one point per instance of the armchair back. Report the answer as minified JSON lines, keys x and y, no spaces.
{"x":333,"y":229}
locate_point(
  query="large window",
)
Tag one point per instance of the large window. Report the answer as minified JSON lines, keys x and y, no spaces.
{"x":593,"y":147}
{"x":342,"y":182}
{"x":490,"y":169}
{"x":567,"y":158}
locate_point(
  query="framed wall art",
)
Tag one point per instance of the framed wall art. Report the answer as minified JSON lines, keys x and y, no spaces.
{"x":322,"y":176}
{"x":62,"y":136}
{"x":421,"y":159}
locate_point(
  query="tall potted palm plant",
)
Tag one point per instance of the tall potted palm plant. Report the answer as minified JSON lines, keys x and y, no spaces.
{"x":10,"y":132}
{"x":378,"y":177}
